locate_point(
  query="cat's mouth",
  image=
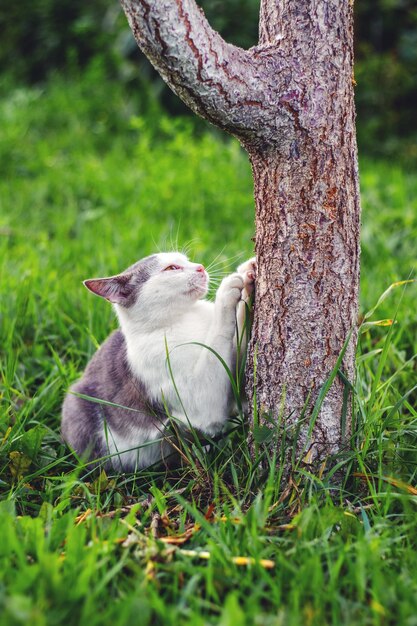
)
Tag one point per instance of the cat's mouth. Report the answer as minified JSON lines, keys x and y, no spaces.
{"x":199,"y":287}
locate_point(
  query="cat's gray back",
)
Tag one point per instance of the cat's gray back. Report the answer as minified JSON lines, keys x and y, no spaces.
{"x":108,"y":377}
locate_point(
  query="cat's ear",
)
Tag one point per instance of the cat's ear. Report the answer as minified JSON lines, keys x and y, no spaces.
{"x":117,"y":289}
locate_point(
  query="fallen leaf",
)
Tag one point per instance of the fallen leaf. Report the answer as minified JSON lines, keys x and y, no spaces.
{"x":248,"y":560}
{"x":19,"y":464}
{"x":395,"y":482}
{"x":82,"y":517}
{"x":237,"y":560}
{"x":209,"y":512}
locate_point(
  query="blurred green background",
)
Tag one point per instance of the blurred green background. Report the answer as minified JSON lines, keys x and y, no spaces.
{"x":45,"y":36}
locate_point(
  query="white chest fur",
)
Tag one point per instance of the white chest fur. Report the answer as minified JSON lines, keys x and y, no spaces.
{"x":186,"y":377}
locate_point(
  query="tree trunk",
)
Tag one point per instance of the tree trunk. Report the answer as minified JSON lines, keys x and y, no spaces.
{"x":289,"y":101}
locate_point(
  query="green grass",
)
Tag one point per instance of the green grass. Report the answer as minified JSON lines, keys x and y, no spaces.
{"x":89,"y":184}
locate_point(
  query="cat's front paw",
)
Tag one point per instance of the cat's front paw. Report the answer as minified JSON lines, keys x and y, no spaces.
{"x":248,"y":272}
{"x":230,"y":291}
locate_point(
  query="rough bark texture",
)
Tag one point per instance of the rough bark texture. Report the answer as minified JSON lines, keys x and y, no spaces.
{"x":289,"y":101}
{"x":308,"y":213}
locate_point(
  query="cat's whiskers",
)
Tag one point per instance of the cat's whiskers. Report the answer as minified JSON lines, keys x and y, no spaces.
{"x":216,"y":278}
{"x":185,"y":249}
{"x":223,"y":263}
{"x":218,"y":272}
{"x":226,"y":261}
{"x":217,"y":256}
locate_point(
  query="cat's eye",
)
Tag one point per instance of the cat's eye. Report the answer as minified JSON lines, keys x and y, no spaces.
{"x":172,"y":267}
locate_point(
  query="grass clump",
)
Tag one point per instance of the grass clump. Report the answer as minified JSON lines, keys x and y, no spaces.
{"x":89,"y":185}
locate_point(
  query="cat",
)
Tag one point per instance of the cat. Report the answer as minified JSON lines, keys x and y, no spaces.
{"x":161,"y":308}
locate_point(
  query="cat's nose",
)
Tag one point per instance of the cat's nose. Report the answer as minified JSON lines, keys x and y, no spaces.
{"x":201,"y":269}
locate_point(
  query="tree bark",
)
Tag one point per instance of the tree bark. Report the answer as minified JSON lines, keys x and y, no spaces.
{"x":289,"y":101}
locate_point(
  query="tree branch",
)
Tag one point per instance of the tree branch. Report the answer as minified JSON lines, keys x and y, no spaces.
{"x":217,"y":80}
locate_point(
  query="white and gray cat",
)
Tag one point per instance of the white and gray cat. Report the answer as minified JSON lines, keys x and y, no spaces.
{"x":161,"y":309}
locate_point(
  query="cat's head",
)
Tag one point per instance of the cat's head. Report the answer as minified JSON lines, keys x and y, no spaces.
{"x":166,"y":279}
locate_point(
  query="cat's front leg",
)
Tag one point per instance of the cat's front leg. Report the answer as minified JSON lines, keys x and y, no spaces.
{"x":212,"y":393}
{"x":248,"y":272}
{"x":228,"y":297}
